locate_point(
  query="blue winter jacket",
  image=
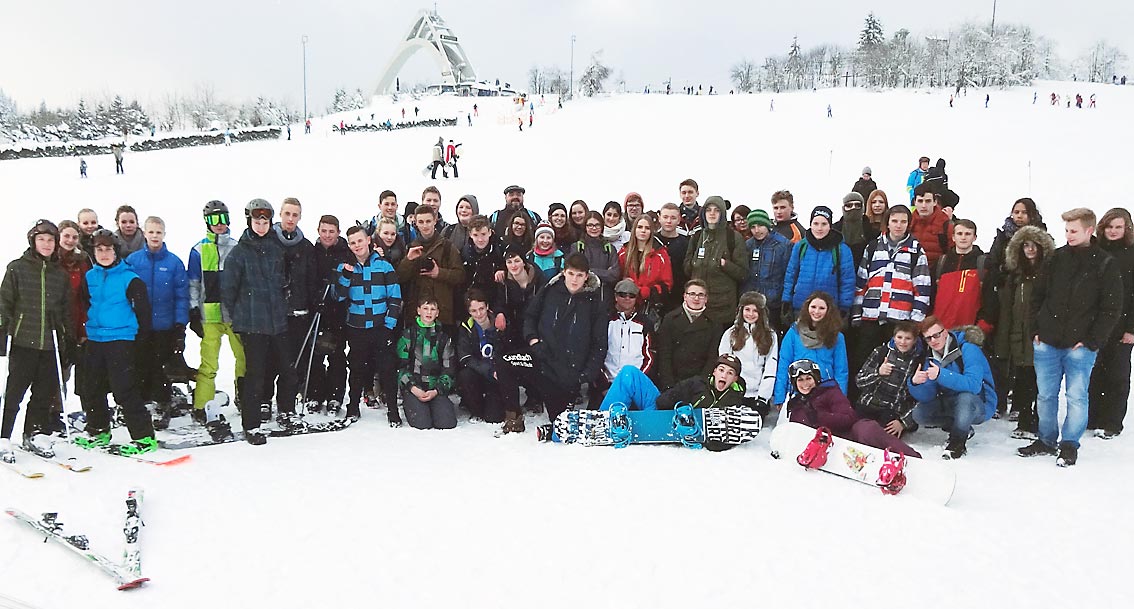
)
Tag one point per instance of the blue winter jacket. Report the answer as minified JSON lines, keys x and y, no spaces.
{"x":767,"y":265}
{"x":817,"y":271}
{"x":963,"y":370}
{"x":917,"y":176}
{"x":372,"y":292}
{"x":832,"y":361}
{"x":167,"y":284}
{"x":111,"y":314}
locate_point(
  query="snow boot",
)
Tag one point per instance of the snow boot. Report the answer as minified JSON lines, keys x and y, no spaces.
{"x":1106,"y":434}
{"x":291,"y":422}
{"x":164,"y":414}
{"x":255,"y":436}
{"x":38,"y":443}
{"x":219,"y":429}
{"x":7,"y":455}
{"x":1034,"y":449}
{"x":1068,"y":455}
{"x":814,"y":455}
{"x":95,"y":438}
{"x":954,"y":449}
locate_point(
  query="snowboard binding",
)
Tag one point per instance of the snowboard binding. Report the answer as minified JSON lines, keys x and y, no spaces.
{"x":620,"y":425}
{"x":685,"y":426}
{"x":814,"y":455}
{"x":892,"y":475}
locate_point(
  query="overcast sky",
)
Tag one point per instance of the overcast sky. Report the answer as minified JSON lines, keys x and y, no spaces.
{"x":59,"y":50}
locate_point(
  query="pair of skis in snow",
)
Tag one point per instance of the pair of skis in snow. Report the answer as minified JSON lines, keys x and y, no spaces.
{"x":128,"y":572}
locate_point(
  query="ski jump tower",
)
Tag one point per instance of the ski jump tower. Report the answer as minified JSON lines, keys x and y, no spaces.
{"x":429,"y":33}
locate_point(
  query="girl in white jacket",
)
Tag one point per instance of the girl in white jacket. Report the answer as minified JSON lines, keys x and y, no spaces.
{"x":752,"y":339}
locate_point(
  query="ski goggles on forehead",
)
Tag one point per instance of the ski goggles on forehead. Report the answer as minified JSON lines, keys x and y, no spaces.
{"x":797,"y":369}
{"x":214,"y":219}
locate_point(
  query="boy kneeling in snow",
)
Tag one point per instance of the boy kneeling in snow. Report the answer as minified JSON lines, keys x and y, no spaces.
{"x":425,"y":353}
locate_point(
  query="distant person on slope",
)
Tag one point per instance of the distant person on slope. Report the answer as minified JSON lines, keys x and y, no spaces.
{"x":865,"y":185}
{"x":439,"y":159}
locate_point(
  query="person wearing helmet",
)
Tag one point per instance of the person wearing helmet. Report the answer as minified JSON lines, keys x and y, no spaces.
{"x":34,"y":313}
{"x":118,"y":318}
{"x":208,"y":318}
{"x":252,"y":290}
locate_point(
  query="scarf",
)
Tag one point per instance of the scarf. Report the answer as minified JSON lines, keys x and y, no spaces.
{"x":809,"y":336}
{"x":691,"y":313}
{"x":1009,"y":227}
{"x":852,"y":227}
{"x":610,"y":234}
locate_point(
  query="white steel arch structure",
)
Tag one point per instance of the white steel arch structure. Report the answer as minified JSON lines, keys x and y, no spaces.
{"x":430,"y":33}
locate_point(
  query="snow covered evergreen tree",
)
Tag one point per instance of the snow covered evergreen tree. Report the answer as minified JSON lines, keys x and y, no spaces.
{"x":593,"y":77}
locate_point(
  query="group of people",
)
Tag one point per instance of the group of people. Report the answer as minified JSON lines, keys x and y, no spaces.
{"x":871,"y":323}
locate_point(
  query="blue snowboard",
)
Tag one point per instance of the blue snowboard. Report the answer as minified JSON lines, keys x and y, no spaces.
{"x":695,"y":427}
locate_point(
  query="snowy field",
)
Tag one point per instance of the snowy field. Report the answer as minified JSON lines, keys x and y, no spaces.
{"x":382,"y":517}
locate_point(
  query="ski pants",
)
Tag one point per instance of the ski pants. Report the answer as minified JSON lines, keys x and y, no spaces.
{"x":1110,"y":387}
{"x":516,"y":369}
{"x":327,"y":380}
{"x":35,"y":369}
{"x":372,"y":350}
{"x":480,"y":395}
{"x":871,"y":433}
{"x":263,"y":351}
{"x":210,"y":356}
{"x":438,"y":413}
{"x":956,"y":413}
{"x":109,"y":367}
{"x":633,"y":388}
{"x":152,"y":354}
{"x":297,"y":328}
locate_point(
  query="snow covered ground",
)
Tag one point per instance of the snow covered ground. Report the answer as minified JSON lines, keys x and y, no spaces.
{"x":401,"y":518}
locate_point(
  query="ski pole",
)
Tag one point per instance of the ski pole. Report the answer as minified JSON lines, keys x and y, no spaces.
{"x":62,"y":385}
{"x":310,"y":330}
{"x":311,"y":358}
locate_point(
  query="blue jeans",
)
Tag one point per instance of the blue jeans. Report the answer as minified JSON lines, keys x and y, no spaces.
{"x":956,"y":413}
{"x":632,"y":387}
{"x":1052,"y":365}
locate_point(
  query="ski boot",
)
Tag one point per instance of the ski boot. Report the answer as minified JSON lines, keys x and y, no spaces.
{"x":256,"y":436}
{"x":140,"y":446}
{"x":291,"y":422}
{"x":95,"y":438}
{"x":814,"y":455}
{"x":38,"y":443}
{"x":892,"y":475}
{"x":619,"y":425}
{"x":685,"y":426}
{"x":7,"y":455}
{"x":219,"y":429}
{"x":164,"y":414}
{"x":334,"y":407}
{"x":77,"y":421}
{"x":265,"y":413}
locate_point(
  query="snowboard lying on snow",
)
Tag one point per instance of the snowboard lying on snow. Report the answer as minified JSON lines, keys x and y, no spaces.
{"x":926,"y":479}
{"x":196,"y":435}
{"x":714,"y":428}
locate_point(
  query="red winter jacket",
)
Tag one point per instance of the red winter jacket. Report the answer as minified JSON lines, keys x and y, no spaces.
{"x":656,"y":279}
{"x":825,"y":406}
{"x":963,"y":290}
{"x":933,"y":233}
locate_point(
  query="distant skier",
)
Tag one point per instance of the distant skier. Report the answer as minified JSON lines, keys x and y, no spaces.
{"x":153,"y":130}
{"x":117,"y":150}
{"x":520,"y":120}
{"x":475,"y":111}
{"x":289,"y":133}
{"x":986,"y":98}
{"x":83,"y":163}
{"x":829,"y":114}
{"x":531,"y":118}
{"x":451,"y":155}
{"x":307,"y":127}
{"x":228,"y":137}
{"x":469,"y":117}
{"x":1035,"y":96}
{"x":439,"y":159}
{"x":403,"y":114}
{"x":772,"y":105}
{"x":950,"y":101}
{"x":1091,"y":105}
{"x":415,"y":111}
{"x":342,"y":127}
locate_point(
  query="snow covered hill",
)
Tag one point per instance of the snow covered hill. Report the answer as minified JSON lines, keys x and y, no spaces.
{"x":399,"y":518}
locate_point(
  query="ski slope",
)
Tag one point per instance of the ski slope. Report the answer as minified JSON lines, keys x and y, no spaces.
{"x":374,"y":516}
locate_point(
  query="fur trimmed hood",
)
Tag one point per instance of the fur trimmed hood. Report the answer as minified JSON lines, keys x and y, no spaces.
{"x":1015,"y":250}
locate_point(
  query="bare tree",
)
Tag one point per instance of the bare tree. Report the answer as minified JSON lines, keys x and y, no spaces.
{"x":743,"y":75}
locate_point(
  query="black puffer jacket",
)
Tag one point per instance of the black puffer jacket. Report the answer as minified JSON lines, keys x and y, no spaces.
{"x":1124,"y":255}
{"x":1079,"y":298}
{"x":34,"y":300}
{"x":302,"y":282}
{"x":252,"y":285}
{"x":571,"y":329}
{"x":327,"y":260}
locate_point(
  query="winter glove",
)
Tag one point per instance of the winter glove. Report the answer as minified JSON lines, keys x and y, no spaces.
{"x":179,"y":338}
{"x":195,"y":323}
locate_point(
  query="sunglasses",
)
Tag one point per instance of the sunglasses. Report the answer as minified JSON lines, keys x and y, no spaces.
{"x":625,"y":294}
{"x":852,"y":205}
{"x":801,"y":367}
{"x":214,"y":219}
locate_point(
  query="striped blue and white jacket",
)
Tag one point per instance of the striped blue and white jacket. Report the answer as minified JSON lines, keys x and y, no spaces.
{"x":372,"y":292}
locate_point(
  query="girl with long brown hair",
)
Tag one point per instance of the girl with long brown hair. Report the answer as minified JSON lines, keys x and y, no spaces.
{"x":752,"y":340}
{"x":646,"y":261}
{"x":815,"y":336}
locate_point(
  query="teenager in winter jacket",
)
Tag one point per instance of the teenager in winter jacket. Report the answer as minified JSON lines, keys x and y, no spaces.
{"x":614,"y":230}
{"x":752,"y":340}
{"x":167,"y":287}
{"x":602,"y":257}
{"x":118,"y":314}
{"x":565,"y":328}
{"x":820,"y":262}
{"x":865,"y":184}
{"x":930,"y":225}
{"x":645,"y":261}
{"x":953,"y":387}
{"x":1024,"y":259}
{"x":129,"y":232}
{"x":1110,"y":379}
{"x":477,"y":343}
{"x":35,"y":312}
{"x":522,"y":282}
{"x":327,"y":381}
{"x":208,"y":317}
{"x":630,"y":339}
{"x":426,"y":371}
{"x":75,"y":262}
{"x":717,"y":256}
{"x":857,"y":230}
{"x":687,"y":338}
{"x":432,"y":267}
{"x":768,"y":256}
{"x":691,"y":217}
{"x":301,"y":289}
{"x":965,"y":292}
{"x":814,"y":336}
{"x":817,"y":403}
{"x":370,"y":288}
{"x":253,"y":290}
{"x":544,"y":254}
{"x":1075,"y":309}
{"x":783,"y":212}
{"x":1024,"y":213}
{"x":565,"y":233}
{"x":676,"y":246}
{"x":482,"y":257}
{"x":917,"y":176}
{"x":883,"y":381}
{"x":457,"y":233}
